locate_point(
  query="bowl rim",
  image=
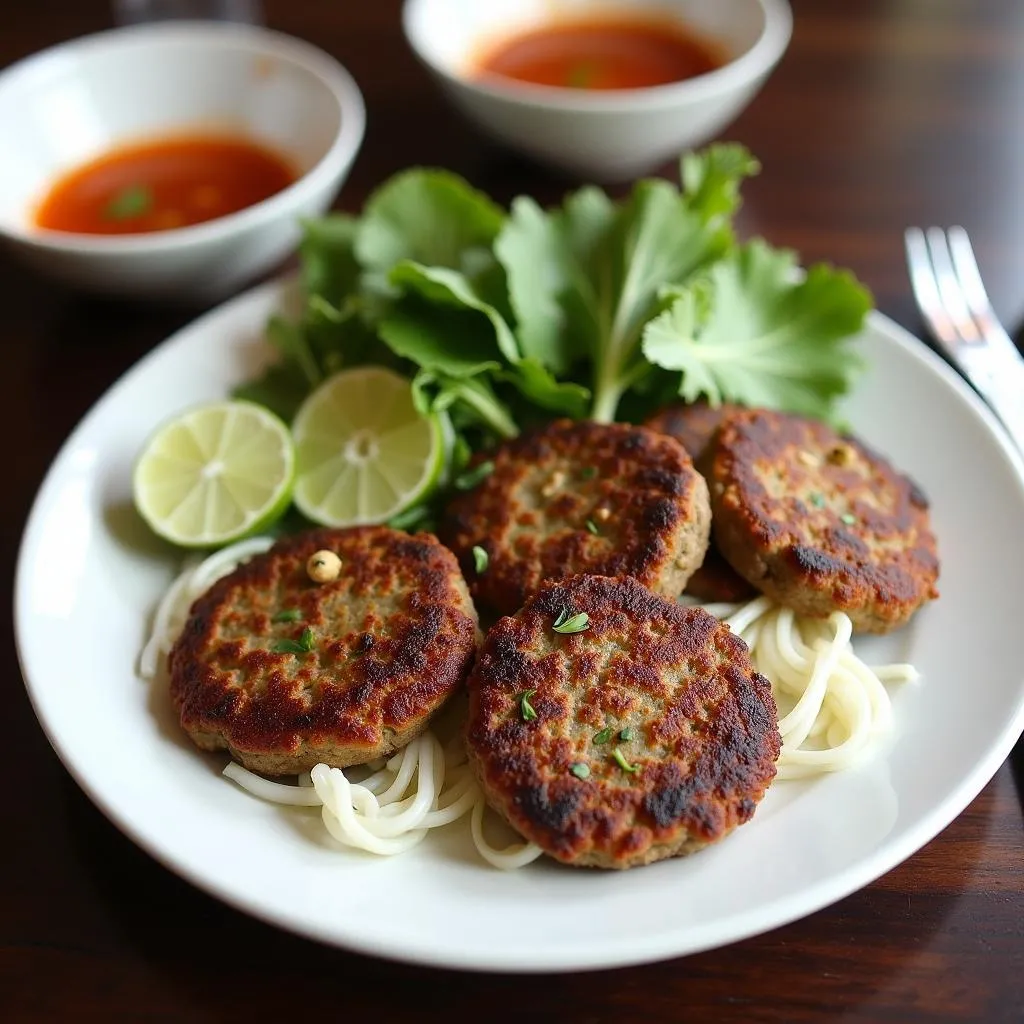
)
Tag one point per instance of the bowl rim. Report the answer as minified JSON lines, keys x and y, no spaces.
{"x":760,"y":58}
{"x":261,"y":41}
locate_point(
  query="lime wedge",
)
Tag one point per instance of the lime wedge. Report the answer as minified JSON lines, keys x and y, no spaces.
{"x":363,"y":451}
{"x":215,"y":474}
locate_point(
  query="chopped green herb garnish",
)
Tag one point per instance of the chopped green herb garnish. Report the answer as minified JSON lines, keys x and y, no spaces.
{"x":461,"y":454}
{"x":620,"y":760}
{"x":592,"y":527}
{"x":525,"y":707}
{"x":132,"y":201}
{"x":561,"y":617}
{"x":816,"y":500}
{"x":419,"y":517}
{"x":588,"y":473}
{"x":305,"y":643}
{"x":581,"y":770}
{"x":468,"y":480}
{"x":580,"y":76}
{"x":848,"y":519}
{"x":480,"y":559}
{"x":603,"y":736}
{"x":287,"y":615}
{"x":626,"y":735}
{"x":576,"y":624}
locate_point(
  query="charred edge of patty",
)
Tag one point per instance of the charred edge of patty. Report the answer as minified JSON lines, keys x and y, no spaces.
{"x":726,"y":720}
{"x":693,"y":425}
{"x":353,"y":692}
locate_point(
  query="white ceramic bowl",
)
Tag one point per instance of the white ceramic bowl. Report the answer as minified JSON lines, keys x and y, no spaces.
{"x":603,"y":135}
{"x":71,"y":103}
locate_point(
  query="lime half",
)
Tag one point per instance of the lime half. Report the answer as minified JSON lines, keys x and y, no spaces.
{"x":215,"y":474}
{"x":364,"y":453}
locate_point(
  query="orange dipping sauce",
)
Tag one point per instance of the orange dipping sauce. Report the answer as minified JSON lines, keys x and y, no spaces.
{"x":612,"y":52}
{"x":163,"y":184}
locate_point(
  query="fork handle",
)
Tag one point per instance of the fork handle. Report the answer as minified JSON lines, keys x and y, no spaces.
{"x":998,"y":374}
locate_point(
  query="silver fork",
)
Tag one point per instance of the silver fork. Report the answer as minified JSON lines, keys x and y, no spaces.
{"x":949,"y":292}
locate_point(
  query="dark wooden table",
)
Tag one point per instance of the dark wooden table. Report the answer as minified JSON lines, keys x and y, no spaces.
{"x":883,"y":113}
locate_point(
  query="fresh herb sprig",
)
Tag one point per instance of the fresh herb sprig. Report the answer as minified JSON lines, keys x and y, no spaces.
{"x":526,"y":709}
{"x":566,"y":623}
{"x":304,"y":645}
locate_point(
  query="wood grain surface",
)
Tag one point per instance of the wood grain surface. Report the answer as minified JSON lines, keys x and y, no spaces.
{"x":883,"y":113}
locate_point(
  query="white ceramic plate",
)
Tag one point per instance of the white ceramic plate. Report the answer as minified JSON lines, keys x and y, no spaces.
{"x":89,"y":576}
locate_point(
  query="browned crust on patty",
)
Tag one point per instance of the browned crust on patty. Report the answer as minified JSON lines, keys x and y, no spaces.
{"x":820,"y":522}
{"x":704,"y":725}
{"x":395,"y":635}
{"x":647,"y":505}
{"x":693,"y":426}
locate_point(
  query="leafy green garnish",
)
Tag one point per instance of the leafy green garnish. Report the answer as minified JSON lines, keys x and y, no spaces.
{"x":597,"y":308}
{"x":131,"y":201}
{"x":566,"y":623}
{"x":620,"y":760}
{"x":419,"y":517}
{"x":754,"y":334}
{"x":429,"y":216}
{"x":305,"y":644}
{"x":580,"y":770}
{"x":605,"y":264}
{"x":468,"y":480}
{"x":525,"y":707}
{"x":603,"y":736}
{"x":592,"y":527}
{"x":480,"y":559}
{"x":626,"y":734}
{"x":580,"y":76}
{"x":287,"y":615}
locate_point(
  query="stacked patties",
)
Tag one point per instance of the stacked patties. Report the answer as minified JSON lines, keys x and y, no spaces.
{"x":607,"y":723}
{"x":693,"y":426}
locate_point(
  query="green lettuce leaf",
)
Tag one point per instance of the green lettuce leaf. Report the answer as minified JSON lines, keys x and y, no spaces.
{"x":449,"y":328}
{"x":584,"y":283}
{"x":330,"y":270}
{"x":755,"y":333}
{"x":431,"y":217}
{"x":446,"y":287}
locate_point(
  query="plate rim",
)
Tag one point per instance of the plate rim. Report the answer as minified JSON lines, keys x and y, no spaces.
{"x":824,"y":893}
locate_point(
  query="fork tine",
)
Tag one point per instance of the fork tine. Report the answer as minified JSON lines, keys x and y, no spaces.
{"x":974,"y":292}
{"x":970,"y":276}
{"x":925,"y":288}
{"x":950,"y":292}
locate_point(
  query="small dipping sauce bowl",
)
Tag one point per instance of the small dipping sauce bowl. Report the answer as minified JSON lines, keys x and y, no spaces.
{"x":78,"y":101}
{"x":599,"y":134}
